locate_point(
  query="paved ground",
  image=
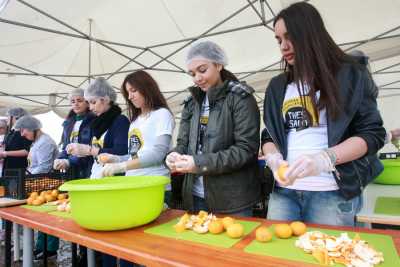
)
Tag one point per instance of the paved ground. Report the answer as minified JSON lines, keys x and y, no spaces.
{"x":63,"y":258}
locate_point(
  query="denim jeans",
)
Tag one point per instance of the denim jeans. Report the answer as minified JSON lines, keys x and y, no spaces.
{"x":321,"y":207}
{"x":200,"y":204}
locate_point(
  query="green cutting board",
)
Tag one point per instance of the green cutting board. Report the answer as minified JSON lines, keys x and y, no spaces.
{"x":218,"y":240}
{"x":41,"y":208}
{"x":50,"y":209}
{"x":387,"y":206}
{"x":286,"y":249}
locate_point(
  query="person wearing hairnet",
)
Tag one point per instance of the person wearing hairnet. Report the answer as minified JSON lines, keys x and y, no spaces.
{"x":76,"y":130}
{"x":109,"y":128}
{"x":218,"y":139}
{"x":41,"y":157}
{"x":16,"y":147}
{"x":3,"y":131}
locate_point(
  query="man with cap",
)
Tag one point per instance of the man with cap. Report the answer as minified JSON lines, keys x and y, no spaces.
{"x":41,"y":157}
{"x":16,"y":147}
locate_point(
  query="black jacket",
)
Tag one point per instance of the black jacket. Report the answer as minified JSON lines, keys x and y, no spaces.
{"x":229,"y":159}
{"x":360,"y":118}
{"x":81,"y":166}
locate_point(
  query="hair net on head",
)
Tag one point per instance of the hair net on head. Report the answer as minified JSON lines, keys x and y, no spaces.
{"x":16,"y":112}
{"x":207,"y":50}
{"x":28,"y":122}
{"x":100,"y":88}
{"x":76,"y":92}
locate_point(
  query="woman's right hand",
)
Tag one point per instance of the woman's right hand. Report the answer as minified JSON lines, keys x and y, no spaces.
{"x":61,"y":164}
{"x":170,"y":160}
{"x":274,"y":161}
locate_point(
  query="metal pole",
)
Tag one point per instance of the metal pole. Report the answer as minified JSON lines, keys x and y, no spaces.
{"x":90,"y":50}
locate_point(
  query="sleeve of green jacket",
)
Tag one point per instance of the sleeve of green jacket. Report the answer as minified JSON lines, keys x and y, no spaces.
{"x":182,"y":141}
{"x":246,"y":121}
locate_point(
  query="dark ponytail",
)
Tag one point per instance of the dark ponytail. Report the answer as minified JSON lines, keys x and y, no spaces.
{"x":227,"y":75}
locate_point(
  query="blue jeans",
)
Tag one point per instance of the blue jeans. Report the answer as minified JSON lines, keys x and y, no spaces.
{"x":321,"y":207}
{"x":200,"y":204}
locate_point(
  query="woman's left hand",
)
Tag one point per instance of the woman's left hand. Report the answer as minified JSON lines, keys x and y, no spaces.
{"x":309,"y":165}
{"x":112,"y":168}
{"x":185,"y":164}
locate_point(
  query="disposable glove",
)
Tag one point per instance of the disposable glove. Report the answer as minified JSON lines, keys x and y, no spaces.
{"x":185,"y":164}
{"x":61,"y":164}
{"x":104,"y":158}
{"x":79,"y":150}
{"x":112,"y":168}
{"x":171,"y":159}
{"x":274,"y":161}
{"x":310,"y":165}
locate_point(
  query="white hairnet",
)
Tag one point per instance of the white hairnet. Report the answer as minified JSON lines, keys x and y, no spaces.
{"x":16,"y":112}
{"x":207,"y":50}
{"x":100,"y":88}
{"x":28,"y":122}
{"x":76,"y":92}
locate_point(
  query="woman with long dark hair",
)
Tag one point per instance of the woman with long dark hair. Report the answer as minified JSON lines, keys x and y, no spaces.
{"x":218,"y":138}
{"x":322,"y":123}
{"x":149,"y":136}
{"x":76,"y":130}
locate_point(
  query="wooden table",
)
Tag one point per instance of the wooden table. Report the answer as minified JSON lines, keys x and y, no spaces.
{"x":136,"y":246}
{"x":371,"y":193}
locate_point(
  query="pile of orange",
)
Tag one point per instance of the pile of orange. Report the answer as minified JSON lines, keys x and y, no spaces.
{"x":37,"y":199}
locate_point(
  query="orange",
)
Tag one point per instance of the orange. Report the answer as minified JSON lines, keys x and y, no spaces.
{"x":103,"y":158}
{"x":37,"y":202}
{"x":235,"y":230}
{"x":43,"y":193}
{"x":263,"y":234}
{"x":216,"y":227}
{"x":30,"y":200}
{"x":179,"y":227}
{"x":298,"y":228}
{"x":61,"y":196}
{"x":54,"y":193}
{"x":42,"y":199}
{"x":283,"y":230}
{"x":48,"y":197}
{"x":226,"y":221}
{"x":282,"y":170}
{"x":34,"y":195}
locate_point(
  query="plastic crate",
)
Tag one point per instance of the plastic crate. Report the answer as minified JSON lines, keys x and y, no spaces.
{"x":391,"y":171}
{"x":19,"y":185}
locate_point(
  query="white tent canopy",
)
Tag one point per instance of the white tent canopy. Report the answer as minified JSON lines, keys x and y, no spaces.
{"x":48,"y":47}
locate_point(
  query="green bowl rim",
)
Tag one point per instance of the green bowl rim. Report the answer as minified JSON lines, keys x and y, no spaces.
{"x":75,"y":185}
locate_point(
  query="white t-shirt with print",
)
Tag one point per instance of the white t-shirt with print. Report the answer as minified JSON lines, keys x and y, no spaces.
{"x":73,"y":137}
{"x":142,"y":136}
{"x":306,"y":136}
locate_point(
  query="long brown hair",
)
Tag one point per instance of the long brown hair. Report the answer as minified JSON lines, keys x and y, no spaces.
{"x":148,"y":87}
{"x":317,"y":57}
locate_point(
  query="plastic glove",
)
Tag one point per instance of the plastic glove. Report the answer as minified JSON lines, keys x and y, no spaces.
{"x":112,"y":168}
{"x":310,"y":165}
{"x":274,"y":161}
{"x":171,"y":159}
{"x":61,"y":164}
{"x":108,"y":158}
{"x":79,"y":150}
{"x":185,"y":164}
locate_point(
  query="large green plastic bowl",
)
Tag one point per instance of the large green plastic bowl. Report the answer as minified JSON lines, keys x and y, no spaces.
{"x":391,"y":172}
{"x":116,"y":203}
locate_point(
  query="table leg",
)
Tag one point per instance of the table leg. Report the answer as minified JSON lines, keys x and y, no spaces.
{"x":7,"y":250}
{"x":27,"y":253}
{"x":17,"y":253}
{"x":91,"y":258}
